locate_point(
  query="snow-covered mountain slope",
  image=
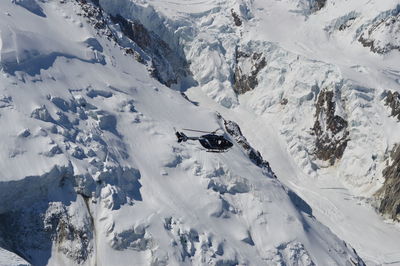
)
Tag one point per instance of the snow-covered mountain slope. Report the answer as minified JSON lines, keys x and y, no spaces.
{"x":91,"y":173}
{"x":9,"y":258}
{"x":321,"y":74}
{"x":286,"y":69}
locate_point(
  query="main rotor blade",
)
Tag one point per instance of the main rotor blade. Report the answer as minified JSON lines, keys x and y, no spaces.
{"x":197,"y":130}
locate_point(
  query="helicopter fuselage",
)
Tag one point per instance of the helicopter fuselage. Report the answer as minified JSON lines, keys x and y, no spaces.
{"x":214,"y":142}
{"x":211,"y":142}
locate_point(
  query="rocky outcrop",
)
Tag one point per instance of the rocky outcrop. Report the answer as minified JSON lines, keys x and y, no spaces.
{"x":317,"y":5}
{"x":167,"y":66}
{"x":72,"y":238}
{"x":389,"y":194}
{"x":347,"y":24}
{"x":329,"y":129}
{"x":393,"y":101}
{"x":310,"y":6}
{"x":255,"y":156}
{"x":95,"y":16}
{"x":236,"y":18}
{"x":247,"y":68}
{"x":390,"y":191}
{"x":41,"y":213}
{"x":164,"y":64}
{"x":342,"y":23}
{"x":382,"y":35}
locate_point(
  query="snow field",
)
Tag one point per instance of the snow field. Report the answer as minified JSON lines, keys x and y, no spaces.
{"x":138,"y":195}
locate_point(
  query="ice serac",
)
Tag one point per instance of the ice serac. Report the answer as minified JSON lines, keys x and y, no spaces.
{"x":167,"y":67}
{"x":381,"y":34}
{"x":184,"y":32}
{"x":31,"y":6}
{"x":164,"y":63}
{"x":310,"y":6}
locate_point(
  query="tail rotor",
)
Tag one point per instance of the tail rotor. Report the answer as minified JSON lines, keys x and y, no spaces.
{"x":181,"y":137}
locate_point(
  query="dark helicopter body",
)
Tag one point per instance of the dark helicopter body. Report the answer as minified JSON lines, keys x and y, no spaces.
{"x":212,"y":142}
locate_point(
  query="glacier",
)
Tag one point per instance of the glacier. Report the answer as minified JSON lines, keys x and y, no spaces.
{"x":91,"y":96}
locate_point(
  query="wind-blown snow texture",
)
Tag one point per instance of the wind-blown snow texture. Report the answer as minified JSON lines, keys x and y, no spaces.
{"x":91,"y":173}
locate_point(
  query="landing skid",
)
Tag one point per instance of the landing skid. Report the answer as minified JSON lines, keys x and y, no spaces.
{"x":217,"y":151}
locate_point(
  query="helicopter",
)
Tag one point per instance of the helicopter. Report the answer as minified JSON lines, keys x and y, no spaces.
{"x":211,"y":141}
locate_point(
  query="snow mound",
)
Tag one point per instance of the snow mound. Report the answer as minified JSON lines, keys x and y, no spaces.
{"x":24,"y":51}
{"x":31,"y":5}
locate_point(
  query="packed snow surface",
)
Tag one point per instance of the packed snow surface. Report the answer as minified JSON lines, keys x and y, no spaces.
{"x":92,"y":174}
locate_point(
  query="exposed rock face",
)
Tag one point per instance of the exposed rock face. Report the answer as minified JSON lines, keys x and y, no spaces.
{"x":233,"y":129}
{"x":246,"y":71}
{"x":236,"y":18}
{"x":55,"y":218}
{"x":310,"y":6}
{"x":94,"y":16}
{"x":382,"y":36}
{"x":390,"y":192}
{"x":166,"y":65}
{"x":347,"y":24}
{"x":317,"y":4}
{"x":71,"y":238}
{"x":393,"y":101}
{"x":330,"y":129}
{"x":342,"y":23}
